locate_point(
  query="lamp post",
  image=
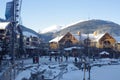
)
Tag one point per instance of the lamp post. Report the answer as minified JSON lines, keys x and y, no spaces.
{"x":89,"y":68}
{"x":79,"y":34}
{"x":84,"y":69}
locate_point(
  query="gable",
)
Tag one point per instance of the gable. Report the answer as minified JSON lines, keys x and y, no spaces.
{"x":68,"y":37}
{"x":106,"y":36}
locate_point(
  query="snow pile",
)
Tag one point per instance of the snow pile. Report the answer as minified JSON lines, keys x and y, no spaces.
{"x":106,"y":73}
{"x":24,"y":74}
{"x":68,"y":71}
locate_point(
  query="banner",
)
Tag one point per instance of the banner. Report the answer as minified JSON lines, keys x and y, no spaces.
{"x":9,"y":14}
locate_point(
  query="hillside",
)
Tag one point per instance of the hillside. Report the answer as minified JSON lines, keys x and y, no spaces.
{"x":25,"y":29}
{"x":2,"y":20}
{"x":94,"y":25}
{"x":90,"y":26}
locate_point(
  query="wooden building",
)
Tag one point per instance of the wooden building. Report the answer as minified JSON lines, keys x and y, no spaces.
{"x":25,"y":42}
{"x":66,"y":40}
{"x":117,"y":45}
{"x":104,"y":40}
{"x":5,"y":37}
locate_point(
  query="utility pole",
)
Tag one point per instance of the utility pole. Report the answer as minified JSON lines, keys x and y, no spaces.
{"x":14,"y":27}
{"x":89,"y":68}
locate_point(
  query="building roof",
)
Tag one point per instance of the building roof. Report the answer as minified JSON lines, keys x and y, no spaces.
{"x":57,"y":39}
{"x":91,"y":36}
{"x":81,"y":37}
{"x":3,"y":25}
{"x":104,"y":52}
{"x":70,"y":48}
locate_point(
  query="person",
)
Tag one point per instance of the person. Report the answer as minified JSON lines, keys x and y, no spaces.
{"x":0,"y":60}
{"x":76,"y":59}
{"x":37,"y":59}
{"x":12,"y":62}
{"x":82,"y":66}
{"x":61,"y":59}
{"x":56,"y":58}
{"x":42,"y":77}
{"x":50,"y":58}
{"x":66,"y":58}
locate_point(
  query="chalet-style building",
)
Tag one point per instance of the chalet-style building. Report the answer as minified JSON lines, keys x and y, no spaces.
{"x":66,"y":40}
{"x":31,"y":43}
{"x":5,"y":35}
{"x":104,"y":40}
{"x":117,"y":45}
{"x":25,"y":42}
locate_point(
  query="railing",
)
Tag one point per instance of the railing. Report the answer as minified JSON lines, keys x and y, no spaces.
{"x":8,"y":71}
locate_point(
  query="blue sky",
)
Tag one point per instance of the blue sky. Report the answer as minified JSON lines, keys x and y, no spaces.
{"x":40,"y":14}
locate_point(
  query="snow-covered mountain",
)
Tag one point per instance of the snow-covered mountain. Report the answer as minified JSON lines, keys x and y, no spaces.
{"x":53,"y":29}
{"x":29,"y":32}
{"x":87,"y":26}
{"x":56,"y":28}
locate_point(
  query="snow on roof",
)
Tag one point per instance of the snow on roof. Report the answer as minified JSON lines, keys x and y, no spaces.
{"x":99,"y":36}
{"x":70,"y":48}
{"x":28,"y":34}
{"x":30,"y":47}
{"x":57,"y":39}
{"x":91,"y":36}
{"x":3,"y":25}
{"x":81,"y":37}
{"x":104,"y":52}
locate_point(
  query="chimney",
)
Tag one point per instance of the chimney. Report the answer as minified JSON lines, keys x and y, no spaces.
{"x":95,"y":33}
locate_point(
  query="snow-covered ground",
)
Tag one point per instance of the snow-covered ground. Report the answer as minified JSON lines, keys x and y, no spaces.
{"x":68,"y":71}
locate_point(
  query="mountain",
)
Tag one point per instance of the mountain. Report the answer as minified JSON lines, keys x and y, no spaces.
{"x":28,"y":30}
{"x":47,"y":36}
{"x":89,"y":27}
{"x":56,"y":28}
{"x":93,"y":25}
{"x":53,"y":29}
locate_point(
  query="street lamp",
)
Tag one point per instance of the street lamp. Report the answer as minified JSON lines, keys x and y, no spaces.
{"x":79,"y":34}
{"x":89,"y":68}
{"x":84,"y":69}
